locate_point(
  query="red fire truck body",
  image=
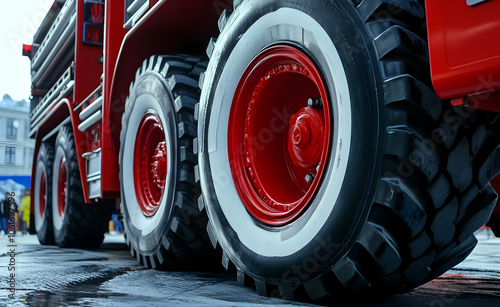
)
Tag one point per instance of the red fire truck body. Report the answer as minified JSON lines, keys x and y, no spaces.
{"x":91,"y":62}
{"x":130,"y":46}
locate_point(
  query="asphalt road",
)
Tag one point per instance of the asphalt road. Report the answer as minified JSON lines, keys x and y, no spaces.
{"x":50,"y":276}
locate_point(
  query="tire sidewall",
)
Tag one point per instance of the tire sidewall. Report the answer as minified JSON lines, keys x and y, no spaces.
{"x":63,"y":150}
{"x":342,"y":219}
{"x":42,"y":164}
{"x":149,"y":93}
{"x":59,"y":154}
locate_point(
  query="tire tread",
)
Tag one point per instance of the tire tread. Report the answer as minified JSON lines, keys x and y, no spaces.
{"x":437,"y":241}
{"x":434,"y":190}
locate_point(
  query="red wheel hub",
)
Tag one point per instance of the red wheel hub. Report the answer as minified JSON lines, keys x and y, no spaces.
{"x":43,"y":194}
{"x":306,"y":138}
{"x":150,"y":164}
{"x":62,"y":186}
{"x":279,"y":134}
{"x":159,"y":165}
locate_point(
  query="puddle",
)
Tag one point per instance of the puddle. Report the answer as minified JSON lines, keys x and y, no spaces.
{"x":81,"y":293}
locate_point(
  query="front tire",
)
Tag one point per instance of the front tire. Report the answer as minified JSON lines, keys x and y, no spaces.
{"x":393,"y":199}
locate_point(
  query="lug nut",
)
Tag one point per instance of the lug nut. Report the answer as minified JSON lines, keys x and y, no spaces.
{"x":314,"y":102}
{"x":310,"y":177}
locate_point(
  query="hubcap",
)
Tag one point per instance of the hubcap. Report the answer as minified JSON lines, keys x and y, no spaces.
{"x":279,"y":134}
{"x":306,"y":138}
{"x":62,"y":185}
{"x":150,"y":164}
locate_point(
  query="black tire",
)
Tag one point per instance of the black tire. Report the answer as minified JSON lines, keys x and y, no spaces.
{"x":42,"y":217}
{"x":172,"y":234}
{"x":75,"y":223}
{"x":416,"y":184}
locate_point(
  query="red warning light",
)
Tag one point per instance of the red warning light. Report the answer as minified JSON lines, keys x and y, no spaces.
{"x":27,"y":49}
{"x":94,"y":34}
{"x":97,"y":13}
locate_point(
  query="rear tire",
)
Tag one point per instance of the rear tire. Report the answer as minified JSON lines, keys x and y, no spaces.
{"x":406,"y":177}
{"x":163,"y":225}
{"x":76,"y":224}
{"x":42,"y":196}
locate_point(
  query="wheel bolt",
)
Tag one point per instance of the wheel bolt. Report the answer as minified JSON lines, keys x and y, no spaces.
{"x":314,"y":102}
{"x":310,"y":177}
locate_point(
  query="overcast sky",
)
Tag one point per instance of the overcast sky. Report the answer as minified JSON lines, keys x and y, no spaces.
{"x":19,"y":20}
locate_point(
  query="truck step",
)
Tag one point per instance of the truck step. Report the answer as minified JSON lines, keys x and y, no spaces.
{"x":93,"y":173}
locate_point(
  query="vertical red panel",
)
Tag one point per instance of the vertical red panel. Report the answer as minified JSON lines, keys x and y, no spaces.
{"x":113,"y":37}
{"x":88,"y":70}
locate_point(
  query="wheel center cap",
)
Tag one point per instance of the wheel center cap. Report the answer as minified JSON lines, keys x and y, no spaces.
{"x":301,"y":134}
{"x":306,"y":137}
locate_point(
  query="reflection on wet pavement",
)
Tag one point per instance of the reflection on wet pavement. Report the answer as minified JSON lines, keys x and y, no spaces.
{"x":50,"y":276}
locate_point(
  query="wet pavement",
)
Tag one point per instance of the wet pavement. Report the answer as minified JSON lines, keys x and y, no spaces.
{"x":50,"y":276}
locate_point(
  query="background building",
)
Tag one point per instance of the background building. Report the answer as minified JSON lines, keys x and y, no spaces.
{"x":16,"y":148}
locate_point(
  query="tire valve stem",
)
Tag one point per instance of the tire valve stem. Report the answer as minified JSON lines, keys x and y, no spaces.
{"x":314,"y":102}
{"x":310,"y":177}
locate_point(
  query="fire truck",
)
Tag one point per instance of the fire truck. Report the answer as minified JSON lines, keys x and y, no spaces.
{"x":316,"y":148}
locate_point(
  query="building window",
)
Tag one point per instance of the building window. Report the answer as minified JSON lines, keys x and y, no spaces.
{"x":11,"y":129}
{"x":30,"y":158}
{"x":26,"y":129}
{"x":10,"y":155}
